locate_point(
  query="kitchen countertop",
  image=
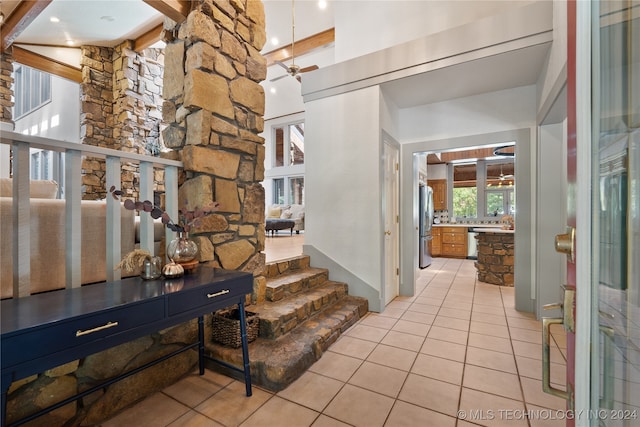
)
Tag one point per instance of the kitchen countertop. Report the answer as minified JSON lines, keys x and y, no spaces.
{"x":492,"y":230}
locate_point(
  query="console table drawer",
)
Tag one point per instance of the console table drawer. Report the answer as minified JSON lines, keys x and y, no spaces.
{"x":204,"y":295}
{"x":63,"y":335}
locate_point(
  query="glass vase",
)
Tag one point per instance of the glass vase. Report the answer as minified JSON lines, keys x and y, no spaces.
{"x":182,"y":249}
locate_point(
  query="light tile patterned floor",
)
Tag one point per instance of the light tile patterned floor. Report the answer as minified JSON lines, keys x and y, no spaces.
{"x":457,"y":345}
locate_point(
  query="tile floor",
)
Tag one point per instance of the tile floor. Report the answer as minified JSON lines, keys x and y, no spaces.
{"x":457,"y":345}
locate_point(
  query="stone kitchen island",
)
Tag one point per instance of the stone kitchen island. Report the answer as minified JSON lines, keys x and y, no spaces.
{"x":495,"y":256}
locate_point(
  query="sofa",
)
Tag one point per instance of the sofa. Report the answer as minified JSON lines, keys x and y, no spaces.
{"x":47,"y":228}
{"x":294,"y":212}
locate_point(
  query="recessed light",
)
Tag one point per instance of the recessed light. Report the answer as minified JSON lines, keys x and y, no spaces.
{"x":274,"y":41}
{"x":70,"y":42}
{"x":107,"y":18}
{"x":54,"y":19}
{"x":272,"y":90}
{"x":322,"y":4}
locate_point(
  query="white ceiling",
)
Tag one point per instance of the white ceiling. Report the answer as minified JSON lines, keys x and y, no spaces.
{"x":109,"y":22}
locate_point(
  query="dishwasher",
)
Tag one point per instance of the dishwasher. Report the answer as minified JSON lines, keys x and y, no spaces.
{"x":472,"y":244}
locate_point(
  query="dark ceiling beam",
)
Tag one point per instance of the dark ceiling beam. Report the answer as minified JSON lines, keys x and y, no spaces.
{"x":176,"y":10}
{"x":42,"y":63}
{"x":302,"y":46}
{"x":148,"y":39}
{"x":19,"y":20}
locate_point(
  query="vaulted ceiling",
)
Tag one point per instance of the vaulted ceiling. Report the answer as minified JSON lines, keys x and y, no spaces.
{"x":50,"y":30}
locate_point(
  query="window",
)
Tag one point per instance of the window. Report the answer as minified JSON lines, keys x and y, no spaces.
{"x":464,"y":202}
{"x":284,"y":164}
{"x":465,"y":193}
{"x":42,"y":164}
{"x":296,"y":191}
{"x":495,"y":203}
{"x":471,"y":200}
{"x":291,"y":153}
{"x":278,"y":191}
{"x":296,"y":144}
{"x":32,"y":89}
{"x":500,"y":194}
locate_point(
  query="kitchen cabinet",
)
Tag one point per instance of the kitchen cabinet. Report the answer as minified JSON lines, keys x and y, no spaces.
{"x":436,"y":241}
{"x":454,"y":242}
{"x":439,"y":187}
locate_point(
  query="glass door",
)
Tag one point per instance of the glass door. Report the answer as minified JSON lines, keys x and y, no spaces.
{"x":615,"y":159}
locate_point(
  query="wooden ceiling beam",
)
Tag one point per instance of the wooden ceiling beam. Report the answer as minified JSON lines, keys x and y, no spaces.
{"x":42,"y":63}
{"x":148,"y":39}
{"x":177,"y":10}
{"x":302,"y":46}
{"x":19,"y":20}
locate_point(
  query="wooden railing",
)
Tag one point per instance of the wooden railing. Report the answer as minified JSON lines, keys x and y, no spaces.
{"x":73,"y":153}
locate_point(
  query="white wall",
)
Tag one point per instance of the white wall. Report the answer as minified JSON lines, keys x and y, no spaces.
{"x":64,"y":109}
{"x":342,"y":220}
{"x":554,"y":73}
{"x":491,"y":112}
{"x":382,"y":24}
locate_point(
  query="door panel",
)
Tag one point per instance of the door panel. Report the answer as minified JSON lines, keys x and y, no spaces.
{"x":615,"y":324}
{"x":391,"y":203}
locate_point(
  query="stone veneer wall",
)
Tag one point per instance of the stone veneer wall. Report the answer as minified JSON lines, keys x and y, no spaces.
{"x":121,"y":109}
{"x":215,"y":107}
{"x":6,"y":82}
{"x":495,"y":258}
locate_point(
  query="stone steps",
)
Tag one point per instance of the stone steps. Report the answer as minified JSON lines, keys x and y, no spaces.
{"x":293,"y":282}
{"x":277,"y":363}
{"x":279,"y":317}
{"x":308,"y":314}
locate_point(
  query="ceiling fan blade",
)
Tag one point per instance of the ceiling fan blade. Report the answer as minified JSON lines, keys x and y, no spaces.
{"x":275,"y":79}
{"x":299,"y":78}
{"x":309,"y":68}
{"x":283,"y":65}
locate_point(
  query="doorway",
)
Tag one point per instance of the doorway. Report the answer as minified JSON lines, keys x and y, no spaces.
{"x":524,"y":176}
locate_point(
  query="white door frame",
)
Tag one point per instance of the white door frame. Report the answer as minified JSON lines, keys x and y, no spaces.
{"x":390,"y":218}
{"x":583,"y":214}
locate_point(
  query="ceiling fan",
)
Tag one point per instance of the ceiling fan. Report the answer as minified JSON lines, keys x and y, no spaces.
{"x":502,"y":177}
{"x":293,"y":70}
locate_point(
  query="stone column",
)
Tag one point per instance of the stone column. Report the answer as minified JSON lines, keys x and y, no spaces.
{"x":121,"y":109}
{"x":6,"y":92}
{"x":214,"y":105}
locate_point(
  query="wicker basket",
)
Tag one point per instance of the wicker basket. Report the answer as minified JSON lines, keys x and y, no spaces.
{"x":226,"y":327}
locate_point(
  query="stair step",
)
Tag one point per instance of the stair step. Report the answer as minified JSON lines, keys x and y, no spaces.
{"x":279,"y":317}
{"x":295,"y":281}
{"x":277,"y":363}
{"x":276,"y":268}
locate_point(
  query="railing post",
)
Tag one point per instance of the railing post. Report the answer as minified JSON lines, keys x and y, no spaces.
{"x":113,"y":239}
{"x":171,"y":198}
{"x":73,"y":218}
{"x":146,"y":193}
{"x":21,"y":221}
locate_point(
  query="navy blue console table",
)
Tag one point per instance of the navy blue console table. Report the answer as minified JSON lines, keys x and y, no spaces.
{"x":43,"y":331}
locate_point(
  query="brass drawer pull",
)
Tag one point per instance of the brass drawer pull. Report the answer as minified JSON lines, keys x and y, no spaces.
{"x":80,"y":332}
{"x":217,"y":294}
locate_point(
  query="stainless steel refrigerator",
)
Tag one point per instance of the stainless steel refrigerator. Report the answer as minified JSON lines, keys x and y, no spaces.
{"x":426,"y":225}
